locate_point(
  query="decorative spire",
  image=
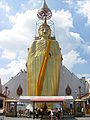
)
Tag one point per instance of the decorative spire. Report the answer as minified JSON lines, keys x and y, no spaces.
{"x":44,"y":11}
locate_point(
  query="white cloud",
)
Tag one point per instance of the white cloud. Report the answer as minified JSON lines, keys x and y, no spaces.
{"x":72,"y":58}
{"x":86,"y":48}
{"x":70,"y":2}
{"x":14,"y":42}
{"x":63,"y":22}
{"x":19,"y":37}
{"x":30,"y":4}
{"x":4,"y":6}
{"x":34,"y":2}
{"x":62,"y":19}
{"x":8,"y":55}
{"x":12,"y":69}
{"x":67,"y":40}
{"x":84,"y":9}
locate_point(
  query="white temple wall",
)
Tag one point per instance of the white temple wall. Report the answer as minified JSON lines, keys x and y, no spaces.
{"x":68,"y":78}
{"x":13,"y":84}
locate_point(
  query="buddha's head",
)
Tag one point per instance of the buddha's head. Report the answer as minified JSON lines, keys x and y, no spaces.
{"x":44,"y":30}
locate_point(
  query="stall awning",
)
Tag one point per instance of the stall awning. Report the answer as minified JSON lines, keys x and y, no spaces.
{"x":28,"y":99}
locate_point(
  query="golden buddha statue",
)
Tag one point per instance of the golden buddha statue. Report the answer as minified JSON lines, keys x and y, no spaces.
{"x":44,"y":60}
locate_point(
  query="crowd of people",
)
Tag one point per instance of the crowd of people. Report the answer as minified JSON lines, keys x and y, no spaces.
{"x":56,"y":113}
{"x":44,"y":112}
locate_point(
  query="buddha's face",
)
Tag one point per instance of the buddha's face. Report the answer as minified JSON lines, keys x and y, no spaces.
{"x":44,"y":31}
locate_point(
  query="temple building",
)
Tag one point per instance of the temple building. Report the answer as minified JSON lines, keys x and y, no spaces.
{"x":45,"y":75}
{"x":17,"y":85}
{"x":69,"y":85}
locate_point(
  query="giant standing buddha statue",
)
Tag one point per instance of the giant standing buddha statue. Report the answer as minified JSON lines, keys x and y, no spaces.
{"x":44,"y":59}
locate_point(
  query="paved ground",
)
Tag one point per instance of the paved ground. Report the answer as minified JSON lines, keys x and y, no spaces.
{"x":81,"y":118}
{"x":77,"y":118}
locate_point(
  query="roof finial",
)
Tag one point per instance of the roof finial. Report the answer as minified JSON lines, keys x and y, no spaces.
{"x":44,"y":11}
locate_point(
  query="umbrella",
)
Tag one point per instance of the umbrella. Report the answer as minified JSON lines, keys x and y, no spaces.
{"x":29,"y":107}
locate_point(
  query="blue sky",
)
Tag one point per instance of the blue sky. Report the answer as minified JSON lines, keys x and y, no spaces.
{"x":17,"y":29}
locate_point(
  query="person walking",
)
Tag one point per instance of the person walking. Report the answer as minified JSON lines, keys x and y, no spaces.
{"x":82,"y":110}
{"x":52,"y":114}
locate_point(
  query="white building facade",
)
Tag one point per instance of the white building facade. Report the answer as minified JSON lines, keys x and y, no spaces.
{"x":69,"y":80}
{"x":69,"y":84}
{"x":20,"y":80}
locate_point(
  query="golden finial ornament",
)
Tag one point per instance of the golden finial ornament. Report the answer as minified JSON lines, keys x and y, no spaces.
{"x":44,"y":11}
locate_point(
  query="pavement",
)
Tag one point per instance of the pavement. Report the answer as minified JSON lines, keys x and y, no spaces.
{"x":15,"y":118}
